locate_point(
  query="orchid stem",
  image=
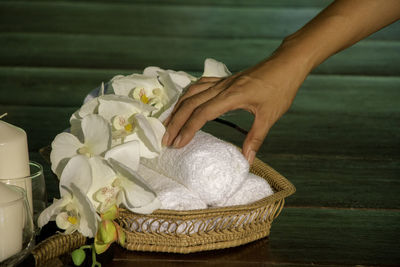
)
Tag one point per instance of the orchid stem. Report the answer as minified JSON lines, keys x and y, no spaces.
{"x":2,"y":116}
{"x":94,"y":262}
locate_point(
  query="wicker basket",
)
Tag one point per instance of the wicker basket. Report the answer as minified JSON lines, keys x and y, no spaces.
{"x":188,"y":231}
{"x":207,"y":229}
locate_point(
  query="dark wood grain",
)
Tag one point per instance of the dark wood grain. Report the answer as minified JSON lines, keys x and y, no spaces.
{"x":136,"y":52}
{"x":339,"y":142}
{"x":257,"y":3}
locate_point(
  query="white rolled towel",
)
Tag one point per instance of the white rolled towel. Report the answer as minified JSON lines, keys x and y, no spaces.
{"x":208,"y":166}
{"x":254,"y":188}
{"x":172,"y":195}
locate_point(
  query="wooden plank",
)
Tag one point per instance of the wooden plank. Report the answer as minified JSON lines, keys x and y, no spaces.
{"x":322,"y":133}
{"x":303,"y":132}
{"x":45,"y":86}
{"x":301,"y":237}
{"x":105,"y":52}
{"x":150,"y":20}
{"x":166,"y":20}
{"x":49,"y":86}
{"x":258,"y":3}
{"x":334,"y":181}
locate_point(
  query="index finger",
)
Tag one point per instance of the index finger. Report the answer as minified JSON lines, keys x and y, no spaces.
{"x":207,"y":111}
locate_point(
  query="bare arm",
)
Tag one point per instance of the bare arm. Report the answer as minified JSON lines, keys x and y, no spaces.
{"x":268,"y":89}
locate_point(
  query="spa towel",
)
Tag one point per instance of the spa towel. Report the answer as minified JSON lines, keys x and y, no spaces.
{"x":254,"y":188}
{"x":208,"y":166}
{"x":173,"y":196}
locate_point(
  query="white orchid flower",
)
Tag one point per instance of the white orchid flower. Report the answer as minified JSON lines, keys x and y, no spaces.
{"x":89,"y":107}
{"x":214,"y":68}
{"x":144,"y":88}
{"x":129,"y":123}
{"x":74,"y":211}
{"x":150,"y":89}
{"x":96,"y":140}
{"x":113,"y":184}
{"x":180,"y":78}
{"x":173,"y":91}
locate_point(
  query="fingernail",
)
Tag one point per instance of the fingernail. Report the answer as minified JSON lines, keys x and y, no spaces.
{"x":177,"y":141}
{"x":164,"y":140}
{"x":250,"y":156}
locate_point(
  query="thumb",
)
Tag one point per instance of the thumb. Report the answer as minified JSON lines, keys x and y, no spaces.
{"x":255,"y":138}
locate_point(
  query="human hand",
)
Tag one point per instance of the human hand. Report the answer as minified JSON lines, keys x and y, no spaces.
{"x":266,"y":90}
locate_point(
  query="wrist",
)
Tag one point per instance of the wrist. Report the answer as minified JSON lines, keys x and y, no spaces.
{"x":293,"y":52}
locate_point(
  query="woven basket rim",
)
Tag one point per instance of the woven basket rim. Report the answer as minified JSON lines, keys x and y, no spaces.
{"x":286,"y":189}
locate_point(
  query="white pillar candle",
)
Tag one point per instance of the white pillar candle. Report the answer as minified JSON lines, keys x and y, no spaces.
{"x":14,"y":158}
{"x":11,"y":222}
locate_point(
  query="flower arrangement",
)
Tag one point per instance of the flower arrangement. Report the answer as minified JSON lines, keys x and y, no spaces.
{"x":96,"y":161}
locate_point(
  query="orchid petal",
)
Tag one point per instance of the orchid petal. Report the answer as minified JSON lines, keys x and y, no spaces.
{"x":146,"y":133}
{"x":180,"y":78}
{"x":62,"y":220}
{"x":170,"y":89}
{"x":52,"y":210}
{"x":88,"y":217}
{"x":112,"y":105}
{"x":77,"y":172}
{"x":158,"y":129}
{"x":89,"y":107}
{"x":165,"y":114}
{"x":102,"y":176}
{"x":145,"y":152}
{"x":124,"y":85}
{"x":171,"y":93}
{"x":127,"y":154}
{"x":76,"y":128}
{"x":64,"y":146}
{"x":131,"y":175}
{"x":213,"y":68}
{"x":136,"y":192}
{"x":97,"y":133}
{"x":147,"y":209}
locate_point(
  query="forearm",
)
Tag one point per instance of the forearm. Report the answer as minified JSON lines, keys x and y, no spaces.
{"x":339,"y":26}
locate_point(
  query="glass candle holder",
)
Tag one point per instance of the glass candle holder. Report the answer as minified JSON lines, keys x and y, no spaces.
{"x":16,"y":229}
{"x":35,"y":188}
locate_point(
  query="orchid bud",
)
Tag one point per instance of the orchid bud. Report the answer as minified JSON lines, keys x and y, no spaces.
{"x":108,"y":233}
{"x":110,"y":214}
{"x":121,"y":234}
{"x":78,"y":256}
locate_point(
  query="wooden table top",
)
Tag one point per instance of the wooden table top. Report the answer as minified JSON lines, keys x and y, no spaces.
{"x":338,"y":144}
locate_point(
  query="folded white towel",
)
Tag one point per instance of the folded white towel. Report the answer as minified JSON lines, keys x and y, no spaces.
{"x":254,"y":188}
{"x":208,"y":166}
{"x":172,"y":195}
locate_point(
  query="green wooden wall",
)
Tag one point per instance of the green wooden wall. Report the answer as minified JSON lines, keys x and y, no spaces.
{"x":339,"y":143}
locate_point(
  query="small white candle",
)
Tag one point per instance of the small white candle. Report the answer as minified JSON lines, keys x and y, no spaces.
{"x":14,"y":157}
{"x":11,"y":222}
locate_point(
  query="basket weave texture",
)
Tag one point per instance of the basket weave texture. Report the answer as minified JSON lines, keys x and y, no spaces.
{"x":207,"y":229}
{"x":189,"y":231}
